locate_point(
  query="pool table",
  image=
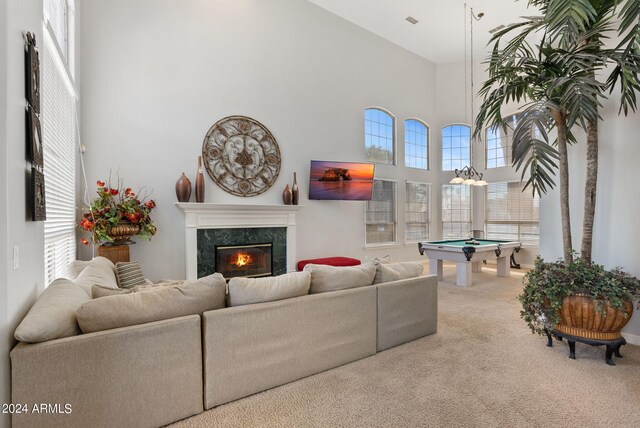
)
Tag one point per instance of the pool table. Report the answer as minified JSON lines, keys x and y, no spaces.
{"x":468,"y":253}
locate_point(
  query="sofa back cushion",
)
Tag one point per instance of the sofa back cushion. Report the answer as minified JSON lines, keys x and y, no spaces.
{"x":244,"y":291}
{"x":331,"y":278}
{"x":387,"y":272}
{"x":190,"y":297}
{"x":53,"y":316}
{"x":100,"y":271}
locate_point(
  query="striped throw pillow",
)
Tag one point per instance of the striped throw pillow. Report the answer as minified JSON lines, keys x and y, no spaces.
{"x":129,"y":274}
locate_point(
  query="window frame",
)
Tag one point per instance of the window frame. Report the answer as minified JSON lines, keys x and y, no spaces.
{"x":406,"y":200}
{"x":428,"y":138}
{"x":394,"y":137}
{"x":442,"y":146}
{"x":394,"y":243}
{"x":509,"y":146}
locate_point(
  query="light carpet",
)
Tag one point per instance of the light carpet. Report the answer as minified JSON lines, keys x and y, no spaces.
{"x":483,"y":368}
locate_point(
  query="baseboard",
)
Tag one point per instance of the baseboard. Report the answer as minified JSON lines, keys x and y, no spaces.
{"x":632,"y":339}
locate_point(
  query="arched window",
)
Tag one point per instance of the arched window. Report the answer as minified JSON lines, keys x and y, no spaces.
{"x":379,"y":136}
{"x":456,"y":147}
{"x":499,"y":141}
{"x":416,"y":144}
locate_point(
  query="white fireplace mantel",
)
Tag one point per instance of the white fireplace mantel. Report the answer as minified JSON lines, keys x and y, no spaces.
{"x":218,"y":216}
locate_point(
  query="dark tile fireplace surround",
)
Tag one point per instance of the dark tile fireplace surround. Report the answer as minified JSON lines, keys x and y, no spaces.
{"x":252,"y":251}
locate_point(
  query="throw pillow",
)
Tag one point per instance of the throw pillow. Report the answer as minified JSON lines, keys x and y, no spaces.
{"x":395,"y":271}
{"x":331,"y":278}
{"x":53,"y":315}
{"x":129,"y":274}
{"x":383,"y":259}
{"x":244,"y":291}
{"x":190,"y":297}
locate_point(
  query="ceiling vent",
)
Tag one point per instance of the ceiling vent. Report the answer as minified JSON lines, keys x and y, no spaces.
{"x":412,"y":20}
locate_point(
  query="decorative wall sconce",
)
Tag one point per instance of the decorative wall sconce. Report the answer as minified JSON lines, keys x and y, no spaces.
{"x":468,"y":173}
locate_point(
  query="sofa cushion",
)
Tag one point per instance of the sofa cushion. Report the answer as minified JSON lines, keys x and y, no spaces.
{"x":98,"y":291}
{"x":244,"y":291}
{"x":190,"y":297}
{"x":99,"y":271}
{"x":75,"y":268}
{"x":332,"y":278}
{"x":387,"y":272}
{"x":129,"y":274}
{"x":53,"y":316}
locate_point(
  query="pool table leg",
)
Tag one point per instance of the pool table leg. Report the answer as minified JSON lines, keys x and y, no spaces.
{"x":476,"y":266}
{"x":435,"y":267}
{"x":463,"y":274}
{"x":503,"y":266}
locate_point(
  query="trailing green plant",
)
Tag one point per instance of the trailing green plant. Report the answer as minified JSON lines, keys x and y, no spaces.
{"x":548,"y":283}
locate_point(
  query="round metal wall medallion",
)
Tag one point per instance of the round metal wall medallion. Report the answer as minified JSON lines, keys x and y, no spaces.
{"x":241,"y":156}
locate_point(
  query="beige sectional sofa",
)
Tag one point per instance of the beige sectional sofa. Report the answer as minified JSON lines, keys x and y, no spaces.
{"x":159,"y":372}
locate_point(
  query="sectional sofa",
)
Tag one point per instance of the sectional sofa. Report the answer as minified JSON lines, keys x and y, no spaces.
{"x":158,"y":372}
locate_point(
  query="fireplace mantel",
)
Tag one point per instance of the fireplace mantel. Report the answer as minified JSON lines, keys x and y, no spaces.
{"x":214,"y":216}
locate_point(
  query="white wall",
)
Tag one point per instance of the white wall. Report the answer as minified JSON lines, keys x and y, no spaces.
{"x":19,"y":287}
{"x":158,"y":74}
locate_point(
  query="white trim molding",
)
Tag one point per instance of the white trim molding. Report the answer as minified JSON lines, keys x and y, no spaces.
{"x":218,"y":216}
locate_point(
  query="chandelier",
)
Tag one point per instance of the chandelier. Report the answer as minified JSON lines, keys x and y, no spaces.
{"x":467,"y":175}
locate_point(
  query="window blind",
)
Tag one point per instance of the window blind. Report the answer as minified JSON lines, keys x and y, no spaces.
{"x":381,"y":213}
{"x":416,"y":216}
{"x":59,"y":141}
{"x":456,"y":211}
{"x":512,"y":213}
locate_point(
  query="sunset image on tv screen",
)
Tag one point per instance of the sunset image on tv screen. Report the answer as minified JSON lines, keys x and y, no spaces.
{"x":341,"y":180}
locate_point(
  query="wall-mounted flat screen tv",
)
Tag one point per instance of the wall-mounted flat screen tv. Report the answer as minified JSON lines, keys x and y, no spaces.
{"x":341,"y":180}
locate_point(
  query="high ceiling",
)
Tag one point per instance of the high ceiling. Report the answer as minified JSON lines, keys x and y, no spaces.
{"x":439,"y":36}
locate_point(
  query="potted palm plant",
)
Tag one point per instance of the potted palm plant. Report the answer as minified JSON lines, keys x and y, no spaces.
{"x":560,"y":82}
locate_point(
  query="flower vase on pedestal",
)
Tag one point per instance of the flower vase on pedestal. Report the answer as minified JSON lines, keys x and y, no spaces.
{"x":199,"y":182}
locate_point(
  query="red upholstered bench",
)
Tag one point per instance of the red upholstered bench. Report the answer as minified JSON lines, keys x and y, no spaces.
{"x":331,"y":261}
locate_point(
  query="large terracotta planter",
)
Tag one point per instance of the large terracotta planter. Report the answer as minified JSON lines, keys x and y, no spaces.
{"x":580,"y":318}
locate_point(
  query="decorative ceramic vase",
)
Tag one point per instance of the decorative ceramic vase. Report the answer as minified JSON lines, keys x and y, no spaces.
{"x":294,"y":190}
{"x":287,"y":196}
{"x":183,"y":188}
{"x":122,"y":233}
{"x":199,"y":182}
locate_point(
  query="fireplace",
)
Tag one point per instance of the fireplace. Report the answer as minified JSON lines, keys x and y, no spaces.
{"x":250,"y":260}
{"x":208,"y":225}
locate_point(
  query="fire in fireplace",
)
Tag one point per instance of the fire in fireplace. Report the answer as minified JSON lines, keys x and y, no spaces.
{"x":251,"y":260}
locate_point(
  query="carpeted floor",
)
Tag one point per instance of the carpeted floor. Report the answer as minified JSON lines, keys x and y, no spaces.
{"x":483,"y":368}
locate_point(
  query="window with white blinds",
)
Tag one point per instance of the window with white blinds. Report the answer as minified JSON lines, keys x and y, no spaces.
{"x":456,"y":211}
{"x":416,"y":214}
{"x":59,"y":141}
{"x":381,"y":223}
{"x":512,"y":213}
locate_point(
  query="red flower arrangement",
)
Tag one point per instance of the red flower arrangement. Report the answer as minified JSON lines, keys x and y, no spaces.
{"x":113,"y":206}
